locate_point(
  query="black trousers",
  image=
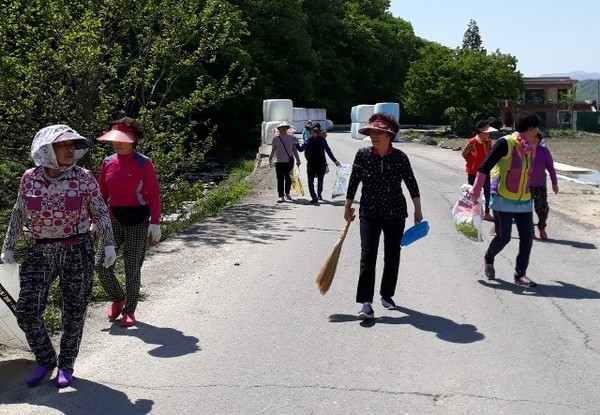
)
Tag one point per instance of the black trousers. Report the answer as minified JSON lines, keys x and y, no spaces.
{"x":284,"y":179}
{"x":318,"y":172}
{"x":370,"y":232}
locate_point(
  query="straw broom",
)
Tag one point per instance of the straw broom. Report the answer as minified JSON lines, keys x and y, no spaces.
{"x":327,"y":271}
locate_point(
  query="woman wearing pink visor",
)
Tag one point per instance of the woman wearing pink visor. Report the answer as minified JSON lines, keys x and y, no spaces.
{"x":130,"y":188}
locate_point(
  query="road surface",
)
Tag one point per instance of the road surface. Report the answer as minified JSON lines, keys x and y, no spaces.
{"x":233,"y":322}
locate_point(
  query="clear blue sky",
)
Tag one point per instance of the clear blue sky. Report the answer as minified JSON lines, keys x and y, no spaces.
{"x":545,"y":36}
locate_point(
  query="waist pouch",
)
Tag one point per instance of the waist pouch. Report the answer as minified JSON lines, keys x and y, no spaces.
{"x":131,"y":215}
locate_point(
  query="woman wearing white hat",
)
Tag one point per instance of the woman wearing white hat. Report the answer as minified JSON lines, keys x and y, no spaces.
{"x":56,"y":200}
{"x":130,"y":188}
{"x":284,"y":152}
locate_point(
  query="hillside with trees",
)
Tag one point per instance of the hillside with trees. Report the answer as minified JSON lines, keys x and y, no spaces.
{"x":195,"y":72}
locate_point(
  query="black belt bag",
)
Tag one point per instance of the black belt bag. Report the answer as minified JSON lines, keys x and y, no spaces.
{"x":131,"y":215}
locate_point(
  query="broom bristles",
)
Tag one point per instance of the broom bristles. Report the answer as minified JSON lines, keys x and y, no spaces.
{"x":327,"y":271}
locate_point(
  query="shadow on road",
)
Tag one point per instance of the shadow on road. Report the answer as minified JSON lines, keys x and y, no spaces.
{"x":444,"y":328}
{"x":171,"y":342}
{"x":82,"y":397}
{"x":574,"y":244}
{"x":564,"y":290}
{"x":255,"y":223}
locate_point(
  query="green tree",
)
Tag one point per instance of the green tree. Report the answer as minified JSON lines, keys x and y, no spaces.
{"x":164,"y":61}
{"x":469,"y":82}
{"x":471,"y":38}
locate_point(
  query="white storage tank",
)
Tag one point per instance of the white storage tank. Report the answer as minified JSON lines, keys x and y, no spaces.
{"x":364,"y":112}
{"x":278,"y":110}
{"x":269,"y":129}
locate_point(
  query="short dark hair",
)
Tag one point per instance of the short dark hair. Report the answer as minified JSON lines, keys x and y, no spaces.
{"x":140,"y":131}
{"x":526,"y":120}
{"x":388,"y":118}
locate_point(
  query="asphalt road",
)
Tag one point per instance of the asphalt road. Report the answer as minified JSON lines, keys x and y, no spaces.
{"x":233,"y":322}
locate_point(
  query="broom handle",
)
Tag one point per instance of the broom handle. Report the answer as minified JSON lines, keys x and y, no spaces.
{"x":346,"y":227}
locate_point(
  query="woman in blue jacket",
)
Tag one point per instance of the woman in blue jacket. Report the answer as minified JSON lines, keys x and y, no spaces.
{"x":314,"y":149}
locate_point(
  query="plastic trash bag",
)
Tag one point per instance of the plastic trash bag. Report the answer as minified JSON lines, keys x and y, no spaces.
{"x":414,"y":233}
{"x":11,"y":334}
{"x":342,"y":176}
{"x":296,"y":182}
{"x":468,"y":215}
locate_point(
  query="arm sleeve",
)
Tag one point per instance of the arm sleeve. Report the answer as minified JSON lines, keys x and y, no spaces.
{"x":499,"y":150}
{"x":328,"y":151}
{"x":152,"y":192}
{"x":273,"y":148}
{"x":99,"y":212}
{"x":550,"y":168}
{"x":295,"y":153}
{"x":303,"y":146}
{"x":355,"y":178}
{"x":410,"y":181}
{"x":102,"y":182}
{"x":17,"y":221}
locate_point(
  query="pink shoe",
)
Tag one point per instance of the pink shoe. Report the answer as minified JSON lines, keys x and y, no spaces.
{"x":115,"y":309}
{"x":64,"y":378}
{"x":128,"y":320}
{"x":39,"y":373}
{"x":543,"y":234}
{"x":488,"y":217}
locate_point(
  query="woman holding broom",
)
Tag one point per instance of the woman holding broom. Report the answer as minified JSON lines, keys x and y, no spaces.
{"x":381,"y":168}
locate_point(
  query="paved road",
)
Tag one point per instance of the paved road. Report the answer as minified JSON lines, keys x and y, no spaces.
{"x":233,"y":323}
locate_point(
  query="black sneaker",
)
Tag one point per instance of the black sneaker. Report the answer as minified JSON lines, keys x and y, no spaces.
{"x":313,"y":201}
{"x":320,"y":197}
{"x":525,"y":282}
{"x":489,"y":271}
{"x":388,"y":303}
{"x":366,"y":312}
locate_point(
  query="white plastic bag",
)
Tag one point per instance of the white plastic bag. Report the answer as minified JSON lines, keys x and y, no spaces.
{"x":468,"y":215}
{"x":341,"y":180}
{"x":10,"y":333}
{"x":296,"y":182}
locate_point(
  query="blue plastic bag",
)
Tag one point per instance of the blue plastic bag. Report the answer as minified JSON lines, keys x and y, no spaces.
{"x":414,"y":233}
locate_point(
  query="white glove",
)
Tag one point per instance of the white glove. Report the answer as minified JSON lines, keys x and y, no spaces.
{"x":154,"y":233}
{"x":110,"y":256}
{"x":7,"y":257}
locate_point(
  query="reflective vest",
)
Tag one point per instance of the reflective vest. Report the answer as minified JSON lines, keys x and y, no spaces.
{"x":510,"y":176}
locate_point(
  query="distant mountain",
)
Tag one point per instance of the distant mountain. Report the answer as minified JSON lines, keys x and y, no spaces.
{"x":579,"y":75}
{"x":587,"y":89}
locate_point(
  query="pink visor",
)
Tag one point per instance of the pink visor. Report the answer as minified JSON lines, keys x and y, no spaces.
{"x":379,"y":125}
{"x":120,"y":134}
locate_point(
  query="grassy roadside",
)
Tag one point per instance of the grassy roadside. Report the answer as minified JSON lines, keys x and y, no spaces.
{"x":227,"y":193}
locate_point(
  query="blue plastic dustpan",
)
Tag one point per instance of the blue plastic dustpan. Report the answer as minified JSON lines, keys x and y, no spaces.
{"x":415,"y":233}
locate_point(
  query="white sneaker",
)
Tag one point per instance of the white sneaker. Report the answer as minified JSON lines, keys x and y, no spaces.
{"x":288,"y":197}
{"x":280,"y":200}
{"x":366,"y":312}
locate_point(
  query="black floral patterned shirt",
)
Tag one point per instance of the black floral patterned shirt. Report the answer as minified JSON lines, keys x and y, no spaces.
{"x":381,"y":177}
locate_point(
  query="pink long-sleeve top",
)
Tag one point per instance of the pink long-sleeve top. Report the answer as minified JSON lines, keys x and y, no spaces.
{"x":130,"y":180}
